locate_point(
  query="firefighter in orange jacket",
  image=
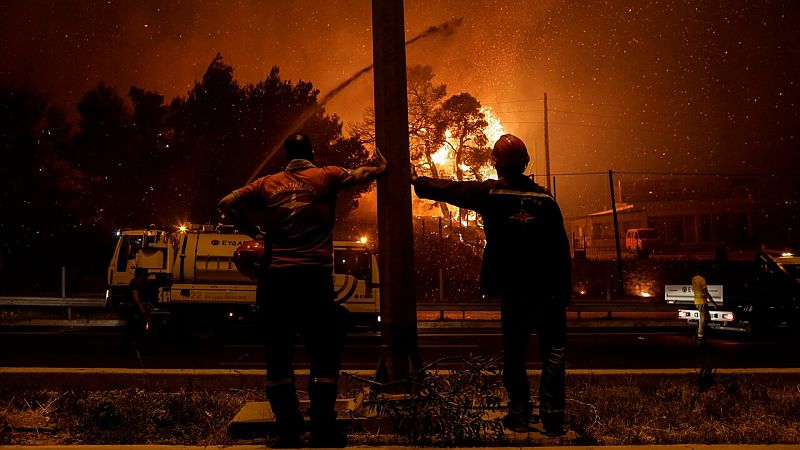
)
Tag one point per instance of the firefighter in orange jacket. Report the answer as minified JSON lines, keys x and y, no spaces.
{"x":527,"y":264}
{"x":295,"y":286}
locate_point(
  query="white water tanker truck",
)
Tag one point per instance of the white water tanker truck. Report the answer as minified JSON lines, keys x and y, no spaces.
{"x":198,"y":283}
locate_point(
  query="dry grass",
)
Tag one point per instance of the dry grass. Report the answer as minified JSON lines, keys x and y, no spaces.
{"x":123,"y":416}
{"x":703,"y":409}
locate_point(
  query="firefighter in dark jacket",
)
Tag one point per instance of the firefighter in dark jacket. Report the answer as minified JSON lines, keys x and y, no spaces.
{"x":527,"y":264}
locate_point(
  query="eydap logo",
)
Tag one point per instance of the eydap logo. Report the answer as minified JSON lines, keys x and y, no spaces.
{"x":227,"y":243}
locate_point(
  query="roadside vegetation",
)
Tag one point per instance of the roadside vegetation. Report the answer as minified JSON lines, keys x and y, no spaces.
{"x":704,"y":408}
{"x":461,"y":408}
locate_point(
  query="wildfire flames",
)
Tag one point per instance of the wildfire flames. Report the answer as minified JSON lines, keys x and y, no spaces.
{"x":444,"y":158}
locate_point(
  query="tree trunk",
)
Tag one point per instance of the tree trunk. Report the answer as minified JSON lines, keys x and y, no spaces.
{"x":435,"y":173}
{"x":459,"y":172}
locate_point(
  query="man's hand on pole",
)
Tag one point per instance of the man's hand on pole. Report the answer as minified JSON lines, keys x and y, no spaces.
{"x":379,"y":160}
{"x":368,"y":173}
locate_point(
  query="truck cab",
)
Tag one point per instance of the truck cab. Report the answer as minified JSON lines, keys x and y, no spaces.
{"x":151,"y":249}
{"x":771,"y":298}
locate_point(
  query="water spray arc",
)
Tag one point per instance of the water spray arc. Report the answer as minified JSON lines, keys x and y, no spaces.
{"x":445,"y":29}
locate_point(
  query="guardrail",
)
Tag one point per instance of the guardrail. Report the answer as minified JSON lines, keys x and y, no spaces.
{"x":453,"y":313}
{"x":592,"y":306}
{"x":68,"y":303}
{"x":601,"y":312}
{"x":83,"y":302}
{"x":588,"y":306}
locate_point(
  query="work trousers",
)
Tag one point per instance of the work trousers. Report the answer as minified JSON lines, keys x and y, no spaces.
{"x":136,"y":324}
{"x":521,"y":314}
{"x":300,"y":301}
{"x":705,"y":318}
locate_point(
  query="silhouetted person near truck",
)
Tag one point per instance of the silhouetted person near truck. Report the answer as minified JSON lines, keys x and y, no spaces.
{"x":138,"y":309}
{"x":295,"y":287}
{"x":527,"y":264}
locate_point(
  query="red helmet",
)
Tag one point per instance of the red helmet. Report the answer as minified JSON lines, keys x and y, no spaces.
{"x":247,"y":258}
{"x":509,"y":152}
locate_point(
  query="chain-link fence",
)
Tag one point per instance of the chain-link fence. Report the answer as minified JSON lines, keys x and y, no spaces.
{"x":631,"y":232}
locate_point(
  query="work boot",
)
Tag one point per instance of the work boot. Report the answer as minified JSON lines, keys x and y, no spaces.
{"x":518,"y":418}
{"x":288,"y":419}
{"x":325,"y":432}
{"x":553,"y":424}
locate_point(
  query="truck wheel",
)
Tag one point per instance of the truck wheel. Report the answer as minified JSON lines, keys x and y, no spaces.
{"x":196,"y":323}
{"x":204,"y":328}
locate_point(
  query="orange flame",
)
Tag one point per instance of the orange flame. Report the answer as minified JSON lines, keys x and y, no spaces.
{"x":444,"y":157}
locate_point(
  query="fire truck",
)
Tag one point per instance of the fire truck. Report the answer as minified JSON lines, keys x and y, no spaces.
{"x":198,"y":283}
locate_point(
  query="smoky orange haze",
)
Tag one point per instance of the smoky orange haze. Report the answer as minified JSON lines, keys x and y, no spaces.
{"x":662,"y":87}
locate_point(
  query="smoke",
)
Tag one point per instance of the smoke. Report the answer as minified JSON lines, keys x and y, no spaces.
{"x":445,"y":29}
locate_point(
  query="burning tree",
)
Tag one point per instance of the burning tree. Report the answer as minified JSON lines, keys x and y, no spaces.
{"x":448,"y":138}
{"x":426,"y":125}
{"x":465,"y":136}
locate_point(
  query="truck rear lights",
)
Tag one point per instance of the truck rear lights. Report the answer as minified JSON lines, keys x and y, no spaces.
{"x":728,"y":317}
{"x":684,"y":314}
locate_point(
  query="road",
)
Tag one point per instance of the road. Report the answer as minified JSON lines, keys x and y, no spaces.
{"x":587,"y":349}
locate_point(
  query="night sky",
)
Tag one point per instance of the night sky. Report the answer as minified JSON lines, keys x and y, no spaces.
{"x":657,"y":86}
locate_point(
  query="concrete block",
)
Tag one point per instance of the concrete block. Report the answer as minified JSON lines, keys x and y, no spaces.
{"x":256,"y":419}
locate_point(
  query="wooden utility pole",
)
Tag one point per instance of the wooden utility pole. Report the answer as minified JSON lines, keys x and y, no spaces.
{"x":400,"y":352}
{"x":546,"y":143}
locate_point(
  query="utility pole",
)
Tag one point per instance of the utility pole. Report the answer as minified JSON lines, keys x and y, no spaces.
{"x":621,"y":285}
{"x":546,"y":143}
{"x":399,"y":348}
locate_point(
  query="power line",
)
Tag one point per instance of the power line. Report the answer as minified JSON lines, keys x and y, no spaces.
{"x":561,"y":100}
{"x":721,"y":174}
{"x":681,"y":130}
{"x":525,"y":111}
{"x":520,"y":111}
{"x":586,"y":114}
{"x":540,"y":122}
{"x":708,"y":174}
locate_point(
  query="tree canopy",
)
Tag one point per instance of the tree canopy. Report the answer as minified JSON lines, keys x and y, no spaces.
{"x":435,"y":121}
{"x":140,"y":160}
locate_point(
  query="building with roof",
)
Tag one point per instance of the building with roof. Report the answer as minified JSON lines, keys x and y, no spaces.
{"x":691,"y":215}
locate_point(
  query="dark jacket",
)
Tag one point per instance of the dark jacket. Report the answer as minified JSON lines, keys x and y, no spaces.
{"x":527,"y":249}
